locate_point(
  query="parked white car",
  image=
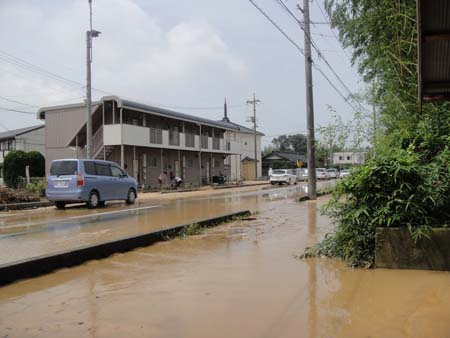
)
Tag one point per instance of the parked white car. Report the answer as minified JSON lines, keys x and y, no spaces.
{"x":344,"y":173}
{"x":333,"y":173}
{"x":321,"y":173}
{"x":280,"y":176}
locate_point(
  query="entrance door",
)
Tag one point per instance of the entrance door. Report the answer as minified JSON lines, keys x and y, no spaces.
{"x":248,"y":170}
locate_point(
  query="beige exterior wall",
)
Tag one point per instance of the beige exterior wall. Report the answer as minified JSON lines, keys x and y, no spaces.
{"x":61,"y":126}
{"x":246,"y":143}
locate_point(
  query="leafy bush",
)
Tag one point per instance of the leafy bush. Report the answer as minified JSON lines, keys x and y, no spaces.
{"x":395,"y":190}
{"x":15,"y":163}
{"x":14,"y":167}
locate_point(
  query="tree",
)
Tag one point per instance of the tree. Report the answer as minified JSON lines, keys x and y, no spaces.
{"x":36,"y":161}
{"x":296,"y":143}
{"x":14,"y":167}
{"x":408,"y":183}
{"x":15,"y":163}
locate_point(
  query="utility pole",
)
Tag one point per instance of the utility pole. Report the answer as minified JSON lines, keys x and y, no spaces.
{"x":253,"y":119}
{"x":310,"y":142}
{"x":89,"y":35}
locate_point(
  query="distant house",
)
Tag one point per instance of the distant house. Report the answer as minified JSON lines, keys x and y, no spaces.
{"x":353,"y":158}
{"x":282,"y":159}
{"x":26,"y":139}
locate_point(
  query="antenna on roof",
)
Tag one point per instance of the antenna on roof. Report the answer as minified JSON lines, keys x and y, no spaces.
{"x":225,"y":112}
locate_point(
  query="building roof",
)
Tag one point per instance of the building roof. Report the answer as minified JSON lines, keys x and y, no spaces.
{"x":11,"y":134}
{"x":123,"y":103}
{"x":433,"y":24}
{"x":286,"y":155}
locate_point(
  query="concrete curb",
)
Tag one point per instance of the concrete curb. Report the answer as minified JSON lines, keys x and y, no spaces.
{"x":25,"y":205}
{"x":44,"y":264}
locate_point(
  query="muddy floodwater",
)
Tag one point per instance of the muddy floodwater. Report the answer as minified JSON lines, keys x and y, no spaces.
{"x":237,"y":280}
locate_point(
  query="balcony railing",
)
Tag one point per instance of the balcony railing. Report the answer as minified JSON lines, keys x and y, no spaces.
{"x":155,"y":137}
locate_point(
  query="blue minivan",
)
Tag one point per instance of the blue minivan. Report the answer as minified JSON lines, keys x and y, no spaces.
{"x":90,"y":181}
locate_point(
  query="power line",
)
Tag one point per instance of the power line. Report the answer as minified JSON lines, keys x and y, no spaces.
{"x":18,"y":102}
{"x":332,"y":31}
{"x":302,"y":51}
{"x":16,"y":110}
{"x":319,"y":53}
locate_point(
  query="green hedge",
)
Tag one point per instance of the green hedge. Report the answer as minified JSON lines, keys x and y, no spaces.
{"x":14,"y":166}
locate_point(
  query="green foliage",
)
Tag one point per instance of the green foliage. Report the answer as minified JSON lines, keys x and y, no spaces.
{"x":398,"y":190}
{"x":37,"y":187}
{"x":295,"y":143}
{"x":14,"y":167}
{"x":36,"y":161}
{"x":16,"y":161}
{"x":407,"y":183}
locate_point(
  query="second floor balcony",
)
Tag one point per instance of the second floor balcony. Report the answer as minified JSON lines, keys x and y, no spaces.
{"x":116,"y":134}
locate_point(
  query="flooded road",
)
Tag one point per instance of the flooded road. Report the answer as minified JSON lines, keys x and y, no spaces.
{"x":30,"y":235}
{"x":237,"y":280}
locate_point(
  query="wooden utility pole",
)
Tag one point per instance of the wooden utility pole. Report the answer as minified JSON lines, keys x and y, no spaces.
{"x":253,"y":119}
{"x":312,"y":187}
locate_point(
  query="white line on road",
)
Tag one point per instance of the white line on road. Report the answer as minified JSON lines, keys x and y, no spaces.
{"x":68,"y":219}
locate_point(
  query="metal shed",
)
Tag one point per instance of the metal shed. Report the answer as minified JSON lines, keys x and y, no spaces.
{"x":433,"y":23}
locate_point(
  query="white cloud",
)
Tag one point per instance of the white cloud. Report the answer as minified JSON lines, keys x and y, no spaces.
{"x":133,"y":56}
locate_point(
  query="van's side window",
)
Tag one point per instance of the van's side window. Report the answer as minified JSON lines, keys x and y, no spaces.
{"x":102,"y":169}
{"x":89,"y":168}
{"x":116,"y":172}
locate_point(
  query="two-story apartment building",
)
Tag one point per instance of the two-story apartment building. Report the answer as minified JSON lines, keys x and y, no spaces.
{"x":145,"y":140}
{"x":26,"y":139}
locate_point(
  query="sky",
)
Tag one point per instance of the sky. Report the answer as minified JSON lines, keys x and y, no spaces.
{"x":187,"y":55}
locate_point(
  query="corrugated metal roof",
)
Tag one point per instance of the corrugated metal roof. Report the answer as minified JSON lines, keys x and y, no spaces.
{"x":433,"y":19}
{"x":11,"y":134}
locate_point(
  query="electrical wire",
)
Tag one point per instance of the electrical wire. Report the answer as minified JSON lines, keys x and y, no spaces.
{"x":302,"y":52}
{"x":320,"y":54}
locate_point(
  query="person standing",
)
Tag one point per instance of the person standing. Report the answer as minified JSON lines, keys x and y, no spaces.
{"x":162,"y":178}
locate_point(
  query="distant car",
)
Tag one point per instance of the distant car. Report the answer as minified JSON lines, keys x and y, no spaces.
{"x":321,"y":174}
{"x":90,"y":181}
{"x":344,"y":173}
{"x":302,"y":174}
{"x":281,"y":176}
{"x":333,"y":173}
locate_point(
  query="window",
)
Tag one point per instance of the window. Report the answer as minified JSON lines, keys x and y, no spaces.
{"x":216,"y":163}
{"x":340,"y":158}
{"x":152,"y":162}
{"x":155,"y":136}
{"x":174,"y":136}
{"x":190,"y":163}
{"x":116,"y":172}
{"x":348,"y":158}
{"x":64,"y":168}
{"x":89,"y":168}
{"x":190,"y":140}
{"x":245,"y":142}
{"x":102,"y":169}
{"x":216,"y":143}
{"x":205,"y":141}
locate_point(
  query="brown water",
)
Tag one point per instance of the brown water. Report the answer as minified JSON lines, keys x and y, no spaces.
{"x":26,"y":236}
{"x":237,"y":280}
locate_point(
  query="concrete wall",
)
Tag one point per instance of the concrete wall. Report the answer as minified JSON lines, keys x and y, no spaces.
{"x":246,"y":148}
{"x":61,"y":126}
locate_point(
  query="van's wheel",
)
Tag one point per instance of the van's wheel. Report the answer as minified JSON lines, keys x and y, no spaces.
{"x":131,"y":196}
{"x":93,"y":201}
{"x":60,"y":205}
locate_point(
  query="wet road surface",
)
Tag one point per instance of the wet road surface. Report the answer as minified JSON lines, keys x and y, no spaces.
{"x":237,"y":280}
{"x":30,"y":235}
